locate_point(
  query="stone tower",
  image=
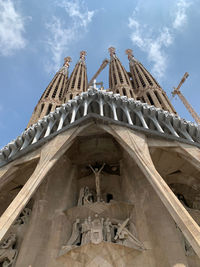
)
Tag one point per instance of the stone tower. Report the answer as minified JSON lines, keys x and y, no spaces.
{"x":53,"y":95}
{"x":102,"y":180}
{"x":78,"y":81}
{"x":119,"y":81}
{"x":146,"y":87}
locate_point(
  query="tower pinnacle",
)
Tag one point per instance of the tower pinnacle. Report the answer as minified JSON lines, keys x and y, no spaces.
{"x":82,"y":55}
{"x":112,"y":51}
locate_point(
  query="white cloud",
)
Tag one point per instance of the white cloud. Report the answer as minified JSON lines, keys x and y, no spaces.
{"x":152,"y":45}
{"x":180,"y":14}
{"x":62,"y":36}
{"x":153,"y":41}
{"x":11,"y":29}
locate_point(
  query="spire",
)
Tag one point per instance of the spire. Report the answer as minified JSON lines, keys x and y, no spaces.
{"x":78,"y":81}
{"x":119,"y":81}
{"x":146,"y":87}
{"x":53,"y":95}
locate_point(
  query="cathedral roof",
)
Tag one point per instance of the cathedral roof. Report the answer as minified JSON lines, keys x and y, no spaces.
{"x":103,"y":106}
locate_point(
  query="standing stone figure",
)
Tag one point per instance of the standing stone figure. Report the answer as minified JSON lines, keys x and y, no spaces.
{"x":7,"y":252}
{"x":85,"y":196}
{"x":97,"y":230}
{"x":97,"y":172}
{"x":86,"y":231}
{"x":76,"y":235}
{"x":108,"y":230}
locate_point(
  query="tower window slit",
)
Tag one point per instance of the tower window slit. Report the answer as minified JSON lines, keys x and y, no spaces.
{"x":71,"y":96}
{"x":74,"y":79}
{"x":61,"y":90}
{"x":79,"y":80}
{"x":150,"y":99}
{"x":110,"y":79}
{"x":49,"y":109}
{"x":135,"y":79}
{"x":42,"y":107}
{"x":146,"y":76}
{"x":152,"y":78}
{"x":84,"y":89}
{"x":114,"y":76}
{"x":50,"y":86}
{"x":56,"y":88}
{"x":124,"y":91}
{"x":131,"y":93}
{"x":140,"y":77}
{"x":119,"y":73}
{"x":48,"y":92}
{"x":158,"y":97}
{"x":125,"y":75}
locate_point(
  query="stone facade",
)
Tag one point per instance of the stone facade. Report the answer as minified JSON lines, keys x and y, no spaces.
{"x":104,"y":180}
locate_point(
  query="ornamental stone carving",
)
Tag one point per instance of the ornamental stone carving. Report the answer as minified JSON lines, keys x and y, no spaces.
{"x":7,"y":251}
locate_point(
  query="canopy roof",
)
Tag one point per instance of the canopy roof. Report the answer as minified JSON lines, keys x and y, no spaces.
{"x":108,"y":107}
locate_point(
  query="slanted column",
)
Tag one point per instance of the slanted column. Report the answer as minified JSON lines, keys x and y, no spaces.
{"x":50,"y":154}
{"x":136,"y":145}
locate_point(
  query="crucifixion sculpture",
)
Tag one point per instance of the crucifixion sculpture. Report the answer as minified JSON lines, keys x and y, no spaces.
{"x":97,"y":172}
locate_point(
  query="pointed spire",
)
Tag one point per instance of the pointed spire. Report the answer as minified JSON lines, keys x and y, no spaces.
{"x":146,"y":87}
{"x":78,"y":81}
{"x":53,"y":95}
{"x":119,"y":81}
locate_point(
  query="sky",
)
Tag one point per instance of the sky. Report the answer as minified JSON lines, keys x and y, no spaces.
{"x":36,"y":35}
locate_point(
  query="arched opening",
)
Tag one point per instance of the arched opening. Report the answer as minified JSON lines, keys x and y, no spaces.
{"x":135,"y":119}
{"x":94,"y":107}
{"x":107,"y":111}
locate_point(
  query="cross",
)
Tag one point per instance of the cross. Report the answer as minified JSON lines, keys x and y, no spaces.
{"x":97,"y":172}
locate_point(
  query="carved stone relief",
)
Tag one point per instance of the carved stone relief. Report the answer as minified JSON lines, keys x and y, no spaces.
{"x":9,"y":246}
{"x":98,"y":229}
{"x":7,"y":250}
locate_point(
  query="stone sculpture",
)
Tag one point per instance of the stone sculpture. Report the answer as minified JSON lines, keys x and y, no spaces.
{"x":98,"y":230}
{"x":85,"y":196}
{"x":126,"y":238}
{"x":86,"y":231}
{"x":75,"y":237}
{"x":24,"y":217}
{"x":97,"y":226}
{"x":97,"y":173}
{"x":7,"y":252}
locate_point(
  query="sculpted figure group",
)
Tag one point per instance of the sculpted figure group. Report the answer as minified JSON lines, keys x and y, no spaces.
{"x":100,"y":229}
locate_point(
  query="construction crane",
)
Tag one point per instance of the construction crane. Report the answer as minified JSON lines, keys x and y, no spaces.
{"x":184,"y":100}
{"x":103,"y":65}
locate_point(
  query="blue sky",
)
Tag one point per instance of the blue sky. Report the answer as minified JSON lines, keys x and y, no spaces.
{"x":36,"y":35}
